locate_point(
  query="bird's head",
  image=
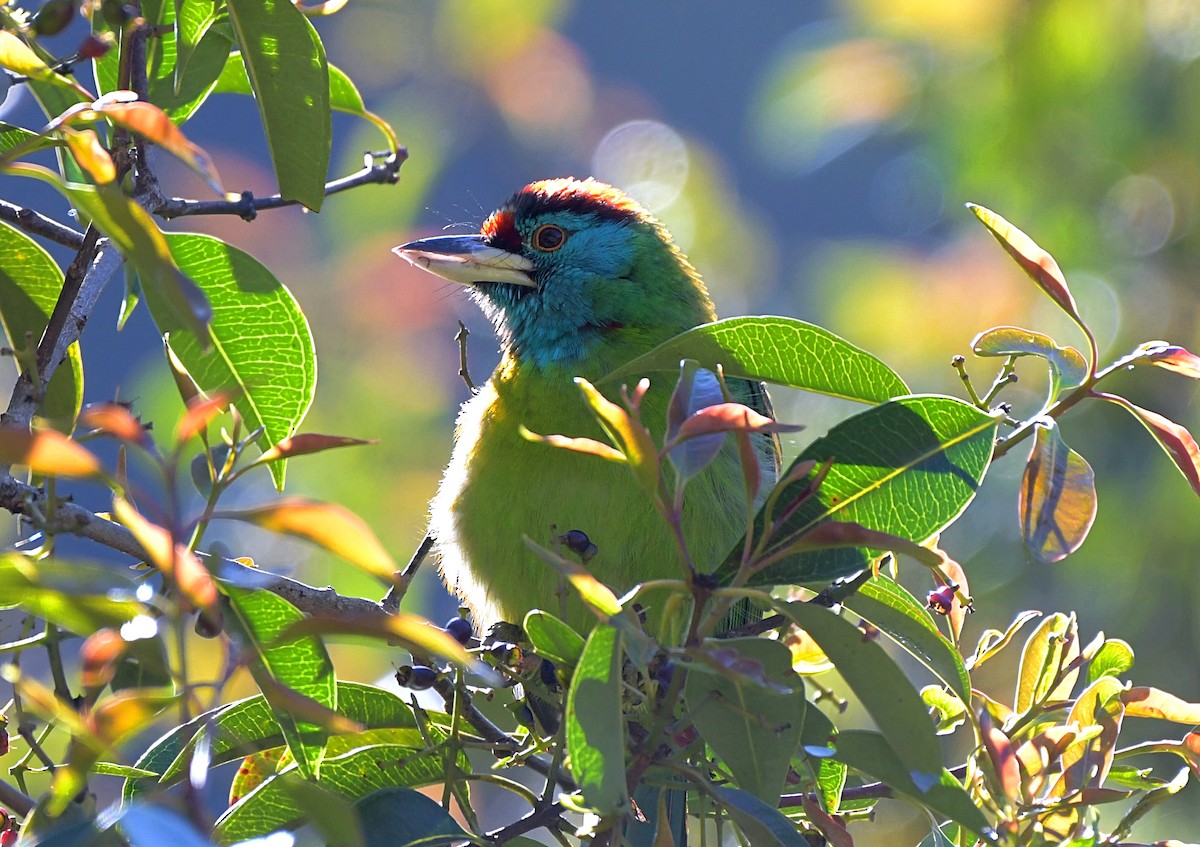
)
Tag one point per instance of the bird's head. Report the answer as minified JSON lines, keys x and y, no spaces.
{"x":566,"y":266}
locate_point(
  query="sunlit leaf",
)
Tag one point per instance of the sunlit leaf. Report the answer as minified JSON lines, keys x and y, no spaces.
{"x":201,"y":411}
{"x":1173,"y":438}
{"x":46,"y":453}
{"x":1057,"y":502}
{"x":587,"y":446}
{"x":595,"y":726}
{"x":80,"y":597}
{"x":595,"y":595}
{"x":629,"y":435}
{"x":783,"y":351}
{"x":85,"y":146}
{"x":1047,"y":651}
{"x":1171,"y":357}
{"x":305,"y":443}
{"x":762,"y":823}
{"x":1067,"y":365}
{"x":116,"y":420}
{"x":328,"y":525}
{"x":1114,"y":658}
{"x":1086,"y":761}
{"x":285,"y":62}
{"x":1000,"y":752}
{"x":950,"y":709}
{"x":413,"y":631}
{"x":1146,"y":702}
{"x":992,"y":641}
{"x":155,"y":125}
{"x":1032,"y":259}
{"x":552,"y":638}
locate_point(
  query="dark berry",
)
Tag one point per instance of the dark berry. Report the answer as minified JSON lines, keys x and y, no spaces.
{"x":548,"y":674}
{"x":577,"y":541}
{"x":941,"y":599}
{"x":664,"y":672}
{"x":507,"y":653}
{"x":460,"y":630}
{"x":418,"y":677}
{"x":53,"y":17}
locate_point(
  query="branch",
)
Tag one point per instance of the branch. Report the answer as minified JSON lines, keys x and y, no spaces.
{"x":15,"y":800}
{"x":247,"y":208}
{"x":38,"y":224}
{"x":536,"y":819}
{"x":870,"y":791}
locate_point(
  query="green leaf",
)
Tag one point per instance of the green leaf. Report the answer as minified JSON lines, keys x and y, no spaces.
{"x":343,"y":95}
{"x":30,"y":282}
{"x":595,"y":725}
{"x":358,"y":773}
{"x":552,"y":638}
{"x":1068,"y":368}
{"x":923,"y":449}
{"x":951,"y":710}
{"x":78,"y":596}
{"x":12,"y":137}
{"x":783,"y":351}
{"x":1057,"y":503}
{"x":302,"y":665}
{"x":888,"y":606}
{"x":752,"y":728}
{"x":880,"y":686}
{"x":1047,"y":650}
{"x":992,"y":641}
{"x":238,"y":729}
{"x":1114,"y":658}
{"x":397,"y":817}
{"x":762,"y":823}
{"x":261,"y":344}
{"x":286,"y":64}
{"x":871,"y":754}
{"x":141,"y":242}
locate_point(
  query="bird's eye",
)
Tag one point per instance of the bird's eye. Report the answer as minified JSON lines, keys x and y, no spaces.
{"x":549,"y":237}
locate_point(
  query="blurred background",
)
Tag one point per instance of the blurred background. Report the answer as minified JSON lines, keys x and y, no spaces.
{"x":812,"y":159}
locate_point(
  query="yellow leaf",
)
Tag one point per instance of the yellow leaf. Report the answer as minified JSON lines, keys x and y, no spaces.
{"x":46,"y":452}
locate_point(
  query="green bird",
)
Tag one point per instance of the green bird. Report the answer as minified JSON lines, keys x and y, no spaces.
{"x":578,"y":279}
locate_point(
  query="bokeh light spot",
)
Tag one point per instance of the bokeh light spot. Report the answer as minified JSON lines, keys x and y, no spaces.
{"x":648,"y":159}
{"x":1138,"y":215}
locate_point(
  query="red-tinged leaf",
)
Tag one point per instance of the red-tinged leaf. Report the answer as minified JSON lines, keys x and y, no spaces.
{"x":90,"y":154}
{"x":579,"y":445}
{"x":115,"y":420}
{"x":1188,"y":748}
{"x":1000,"y":752}
{"x":1173,"y":358}
{"x":628,"y":433}
{"x":1173,"y":438}
{"x":46,"y":453}
{"x":1041,"y":753}
{"x":153,"y":123}
{"x":729,"y":417}
{"x":1035,"y":261}
{"x":1146,"y":702}
{"x":174,"y":560}
{"x":122,"y":714}
{"x":305,"y":443}
{"x":1057,"y":502}
{"x":184,"y":382}
{"x":833,"y":828}
{"x":413,"y":631}
{"x":832,"y":533}
{"x":595,"y":594}
{"x":200,"y":413}
{"x":98,"y":657}
{"x":327,"y":525}
{"x":954,"y":574}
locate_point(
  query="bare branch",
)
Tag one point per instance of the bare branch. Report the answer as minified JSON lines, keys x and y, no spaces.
{"x":385,"y":172}
{"x":40,"y":225}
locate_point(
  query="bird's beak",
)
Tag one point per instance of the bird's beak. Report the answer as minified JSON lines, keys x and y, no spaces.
{"x":468,"y":260}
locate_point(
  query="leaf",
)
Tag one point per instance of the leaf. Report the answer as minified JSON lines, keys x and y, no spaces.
{"x":552,"y":639}
{"x":587,"y":446}
{"x":1057,"y":503}
{"x":19,"y":57}
{"x":115,"y":420}
{"x":1146,"y":702}
{"x":303,"y":665}
{"x":880,"y":686}
{"x":1173,"y":438}
{"x":147,"y":825}
{"x":1036,"y":262}
{"x":921,"y":449}
{"x":1046,"y":652}
{"x":285,"y":62}
{"x":951,"y":711}
{"x":1085,"y":762}
{"x":261,"y":344}
{"x":175,"y":561}
{"x":155,"y":125}
{"x":627,"y":433}
{"x":85,"y":146}
{"x":1170,"y":357}
{"x":78,"y":596}
{"x":343,"y":95}
{"x":1068,"y":368}
{"x":328,"y":525}
{"x":869,"y":753}
{"x":754,"y":729}
{"x":246,"y":726}
{"x":46,"y":453}
{"x":887,"y":605}
{"x":1002,"y":757}
{"x":595,"y":725}
{"x":306,"y":443}
{"x":783,"y":351}
{"x":595,"y":594}
{"x":140,"y":241}
{"x":414,"y":632}
{"x":30,"y":282}
{"x":761,"y":823}
{"x":993,"y":641}
{"x":1114,"y":658}
{"x":396,"y":816}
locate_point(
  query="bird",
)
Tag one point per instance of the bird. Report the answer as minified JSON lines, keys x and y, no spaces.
{"x":577,"y":278}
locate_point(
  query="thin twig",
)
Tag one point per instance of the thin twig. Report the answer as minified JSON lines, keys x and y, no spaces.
{"x":386,"y":172}
{"x":38,"y":224}
{"x":536,"y":819}
{"x":15,"y":800}
{"x":463,"y":371}
{"x":391,"y":603}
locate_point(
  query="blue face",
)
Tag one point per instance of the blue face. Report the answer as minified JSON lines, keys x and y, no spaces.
{"x":584,"y":268}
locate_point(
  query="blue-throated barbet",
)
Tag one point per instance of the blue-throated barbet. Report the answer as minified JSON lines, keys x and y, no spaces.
{"x":578,"y":279}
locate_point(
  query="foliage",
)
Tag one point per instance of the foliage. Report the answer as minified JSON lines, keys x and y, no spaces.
{"x":607,"y":717}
